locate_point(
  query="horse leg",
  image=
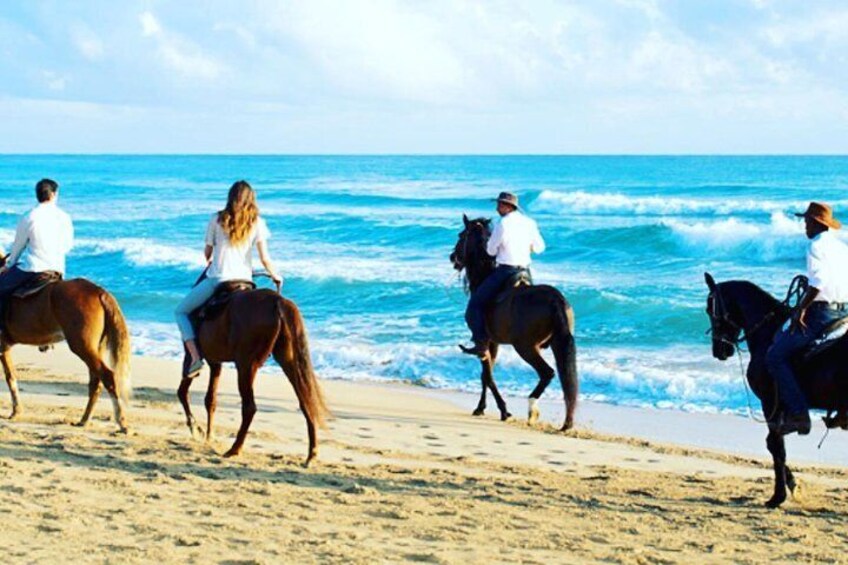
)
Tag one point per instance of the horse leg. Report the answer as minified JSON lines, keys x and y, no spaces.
{"x":93,"y":396}
{"x":493,"y":355}
{"x":212,"y":397}
{"x":246,"y":376}
{"x":533,"y":358}
{"x":481,"y":405}
{"x":185,"y":400}
{"x":777,"y":448}
{"x":12,"y":381}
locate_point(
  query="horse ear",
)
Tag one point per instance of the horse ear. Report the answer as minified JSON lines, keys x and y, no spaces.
{"x":465,"y":220}
{"x":710,"y":281}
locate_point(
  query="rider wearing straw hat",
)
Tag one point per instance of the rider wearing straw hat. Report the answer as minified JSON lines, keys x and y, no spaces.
{"x":825,"y":301}
{"x":512,"y":241}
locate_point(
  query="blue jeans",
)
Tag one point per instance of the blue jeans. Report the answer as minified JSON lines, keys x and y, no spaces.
{"x":201,"y":292}
{"x":483,"y":295}
{"x":779,"y":356}
{"x":12,"y":279}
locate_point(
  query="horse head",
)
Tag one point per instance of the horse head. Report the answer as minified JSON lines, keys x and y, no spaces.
{"x":470,"y":248}
{"x":725,"y":329}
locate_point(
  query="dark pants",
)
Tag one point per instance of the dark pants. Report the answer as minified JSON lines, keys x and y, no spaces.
{"x":778,"y":359}
{"x":483,"y":295}
{"x":12,"y":279}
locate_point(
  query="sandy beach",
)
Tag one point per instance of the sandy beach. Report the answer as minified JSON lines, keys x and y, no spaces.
{"x":404,"y":474}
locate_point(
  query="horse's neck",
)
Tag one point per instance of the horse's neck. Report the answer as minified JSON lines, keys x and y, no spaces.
{"x":478,"y":272}
{"x":761,"y":319}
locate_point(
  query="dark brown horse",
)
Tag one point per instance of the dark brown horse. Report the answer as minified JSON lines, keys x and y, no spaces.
{"x":90,"y":320}
{"x":531,"y":318}
{"x":741,"y":311}
{"x":254,"y":325}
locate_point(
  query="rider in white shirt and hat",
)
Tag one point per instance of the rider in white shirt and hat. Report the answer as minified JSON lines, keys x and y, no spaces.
{"x":514,"y":238}
{"x":825,"y":301}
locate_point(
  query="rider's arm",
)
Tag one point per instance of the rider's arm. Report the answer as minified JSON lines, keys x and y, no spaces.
{"x":207,"y":252}
{"x":262,"y":248}
{"x":538,"y":245}
{"x":495,"y":240}
{"x":21,"y":240}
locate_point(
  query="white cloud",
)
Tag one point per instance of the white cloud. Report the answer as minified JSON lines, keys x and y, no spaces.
{"x":149,"y":24}
{"x":87,"y":43}
{"x":54,"y":81}
{"x":178,"y":53}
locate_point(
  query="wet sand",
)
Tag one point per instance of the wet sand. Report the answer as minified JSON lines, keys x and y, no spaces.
{"x":403,"y":475}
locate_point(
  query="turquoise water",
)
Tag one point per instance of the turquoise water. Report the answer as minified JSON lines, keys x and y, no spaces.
{"x":364,"y":244}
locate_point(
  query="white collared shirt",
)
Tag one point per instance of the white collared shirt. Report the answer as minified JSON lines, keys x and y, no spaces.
{"x":233,"y":262}
{"x":827,"y":267}
{"x":515,"y":236}
{"x":44,"y":236}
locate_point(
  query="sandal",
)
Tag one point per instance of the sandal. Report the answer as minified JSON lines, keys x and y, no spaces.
{"x":194,"y":369}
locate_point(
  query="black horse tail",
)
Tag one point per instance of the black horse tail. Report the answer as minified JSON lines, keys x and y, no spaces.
{"x":565,"y":353}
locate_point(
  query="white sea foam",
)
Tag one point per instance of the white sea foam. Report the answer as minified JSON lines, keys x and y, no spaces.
{"x":611,"y":203}
{"x":142,"y":252}
{"x":781,"y":238}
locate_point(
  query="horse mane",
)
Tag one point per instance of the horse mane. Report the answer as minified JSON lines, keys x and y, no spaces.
{"x":477,"y":257}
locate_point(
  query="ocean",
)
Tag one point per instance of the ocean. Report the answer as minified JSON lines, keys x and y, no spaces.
{"x":363,"y":243}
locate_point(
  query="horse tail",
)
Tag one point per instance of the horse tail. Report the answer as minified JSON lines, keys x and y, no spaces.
{"x":291,"y":351}
{"x":116,"y":339}
{"x":564,"y":349}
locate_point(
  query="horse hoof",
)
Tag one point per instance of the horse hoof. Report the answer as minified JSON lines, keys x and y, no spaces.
{"x":505,"y":416}
{"x":797,"y":493}
{"x":16,"y":414}
{"x":566,"y":426}
{"x":775,"y":501}
{"x":231,"y":453}
{"x":124,"y":430}
{"x":532,"y":411}
{"x":80,"y":424}
{"x":309,"y":460}
{"x":479,"y":412}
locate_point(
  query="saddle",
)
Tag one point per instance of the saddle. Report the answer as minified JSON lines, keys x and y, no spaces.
{"x":36,"y":284}
{"x":829,"y":336}
{"x":519,"y":279}
{"x":213,"y":307}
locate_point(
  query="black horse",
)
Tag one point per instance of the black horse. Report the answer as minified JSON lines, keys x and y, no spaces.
{"x":741,"y":311}
{"x":529,"y":318}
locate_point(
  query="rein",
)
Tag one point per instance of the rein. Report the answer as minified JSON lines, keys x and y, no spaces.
{"x":796,"y":290}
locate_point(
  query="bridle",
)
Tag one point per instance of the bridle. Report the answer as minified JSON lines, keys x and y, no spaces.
{"x":796,"y":290}
{"x":462,"y":264}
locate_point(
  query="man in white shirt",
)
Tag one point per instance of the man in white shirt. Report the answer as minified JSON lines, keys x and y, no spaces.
{"x":825,"y":301}
{"x":512,"y":241}
{"x":44,"y":236}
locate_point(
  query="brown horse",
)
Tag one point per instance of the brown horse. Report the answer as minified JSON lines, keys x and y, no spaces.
{"x":254,"y":325}
{"x":531,"y":318}
{"x":90,"y":320}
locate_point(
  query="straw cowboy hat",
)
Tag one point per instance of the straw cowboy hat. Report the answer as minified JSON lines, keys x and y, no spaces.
{"x":822,"y":213}
{"x":507,"y":198}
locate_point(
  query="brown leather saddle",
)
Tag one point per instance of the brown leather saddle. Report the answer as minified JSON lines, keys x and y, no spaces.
{"x":213,"y":307}
{"x":36,"y":284}
{"x":520,"y":279}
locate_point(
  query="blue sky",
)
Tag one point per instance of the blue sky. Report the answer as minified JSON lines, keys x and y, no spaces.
{"x":393,"y":76}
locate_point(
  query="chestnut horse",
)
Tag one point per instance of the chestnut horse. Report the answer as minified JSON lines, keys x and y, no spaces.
{"x":533,"y":317}
{"x":90,"y":320}
{"x":254,"y":325}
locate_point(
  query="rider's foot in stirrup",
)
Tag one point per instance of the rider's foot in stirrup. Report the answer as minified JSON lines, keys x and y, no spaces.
{"x":799,"y":422}
{"x":479,"y":349}
{"x":194,"y":369}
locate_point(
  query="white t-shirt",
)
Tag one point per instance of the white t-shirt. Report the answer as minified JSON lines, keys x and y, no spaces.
{"x":43,"y":238}
{"x":513,"y":238}
{"x":827,"y":267}
{"x":233,"y":262}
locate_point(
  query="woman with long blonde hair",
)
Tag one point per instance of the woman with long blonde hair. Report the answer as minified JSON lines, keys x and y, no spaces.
{"x":231,"y":236}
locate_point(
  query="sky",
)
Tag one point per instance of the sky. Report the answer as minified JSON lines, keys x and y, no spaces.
{"x":435,"y":77}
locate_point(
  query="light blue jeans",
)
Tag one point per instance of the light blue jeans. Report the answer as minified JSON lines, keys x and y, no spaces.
{"x":198,"y":295}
